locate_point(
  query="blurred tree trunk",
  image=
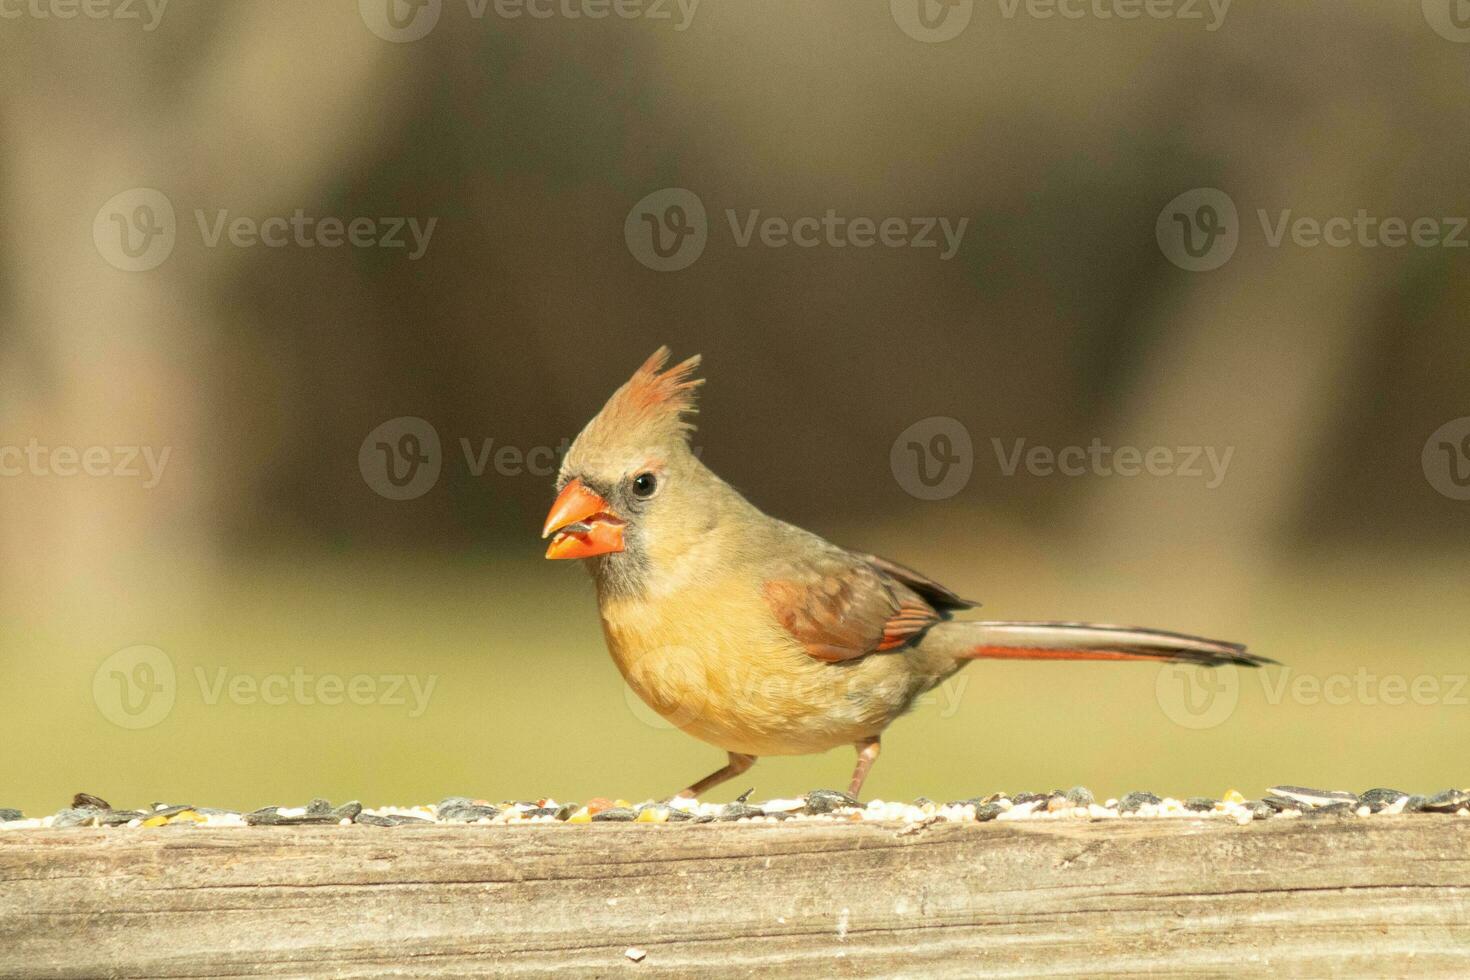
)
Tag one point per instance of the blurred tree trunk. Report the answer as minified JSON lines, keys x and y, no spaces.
{"x":257,"y":122}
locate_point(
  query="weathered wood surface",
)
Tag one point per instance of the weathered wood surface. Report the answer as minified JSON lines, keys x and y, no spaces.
{"x":1379,"y":896}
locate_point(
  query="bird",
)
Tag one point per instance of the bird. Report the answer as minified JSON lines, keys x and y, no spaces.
{"x":754,"y":635}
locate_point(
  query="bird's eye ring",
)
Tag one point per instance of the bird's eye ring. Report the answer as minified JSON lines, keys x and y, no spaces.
{"x":644,"y":485}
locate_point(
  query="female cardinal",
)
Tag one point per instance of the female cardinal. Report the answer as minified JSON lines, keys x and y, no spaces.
{"x":754,"y":635}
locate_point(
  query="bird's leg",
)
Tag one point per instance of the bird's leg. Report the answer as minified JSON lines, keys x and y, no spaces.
{"x":738,"y":764}
{"x":867,"y":755}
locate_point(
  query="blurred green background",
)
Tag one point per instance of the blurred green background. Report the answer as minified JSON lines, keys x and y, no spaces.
{"x":1335,"y":543}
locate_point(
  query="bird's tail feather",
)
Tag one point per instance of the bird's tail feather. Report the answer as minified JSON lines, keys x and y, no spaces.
{"x":1093,"y":641}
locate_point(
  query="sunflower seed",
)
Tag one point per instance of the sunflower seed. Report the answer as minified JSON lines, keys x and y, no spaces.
{"x":390,"y":820}
{"x":77,"y":817}
{"x":466,"y":812}
{"x":1339,"y":809}
{"x":271,"y":816}
{"x":1080,"y":796}
{"x":1377,"y":799}
{"x":1136,"y":801}
{"x":1314,"y":797}
{"x":739,"y":810}
{"x":543,"y":811}
{"x":159,"y":810}
{"x":116,"y":818}
{"x":1448,"y":802}
{"x":618,"y":814}
{"x":827,"y":800}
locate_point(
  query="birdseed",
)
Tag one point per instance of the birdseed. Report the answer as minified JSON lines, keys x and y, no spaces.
{"x":822,"y":805}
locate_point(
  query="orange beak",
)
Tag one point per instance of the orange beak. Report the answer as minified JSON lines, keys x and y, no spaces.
{"x":583,"y":525}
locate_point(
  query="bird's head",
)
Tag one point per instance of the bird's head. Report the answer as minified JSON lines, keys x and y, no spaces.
{"x":631,"y":491}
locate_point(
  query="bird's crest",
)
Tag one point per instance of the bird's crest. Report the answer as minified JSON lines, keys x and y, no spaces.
{"x":651,"y":406}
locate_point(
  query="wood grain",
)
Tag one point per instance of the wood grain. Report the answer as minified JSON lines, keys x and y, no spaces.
{"x":1377,"y":896}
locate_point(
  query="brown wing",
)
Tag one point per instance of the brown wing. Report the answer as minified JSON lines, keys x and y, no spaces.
{"x":931,"y":591}
{"x":840,"y":607}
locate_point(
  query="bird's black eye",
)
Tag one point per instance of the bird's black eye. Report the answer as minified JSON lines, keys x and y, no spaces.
{"x":644,"y":484}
